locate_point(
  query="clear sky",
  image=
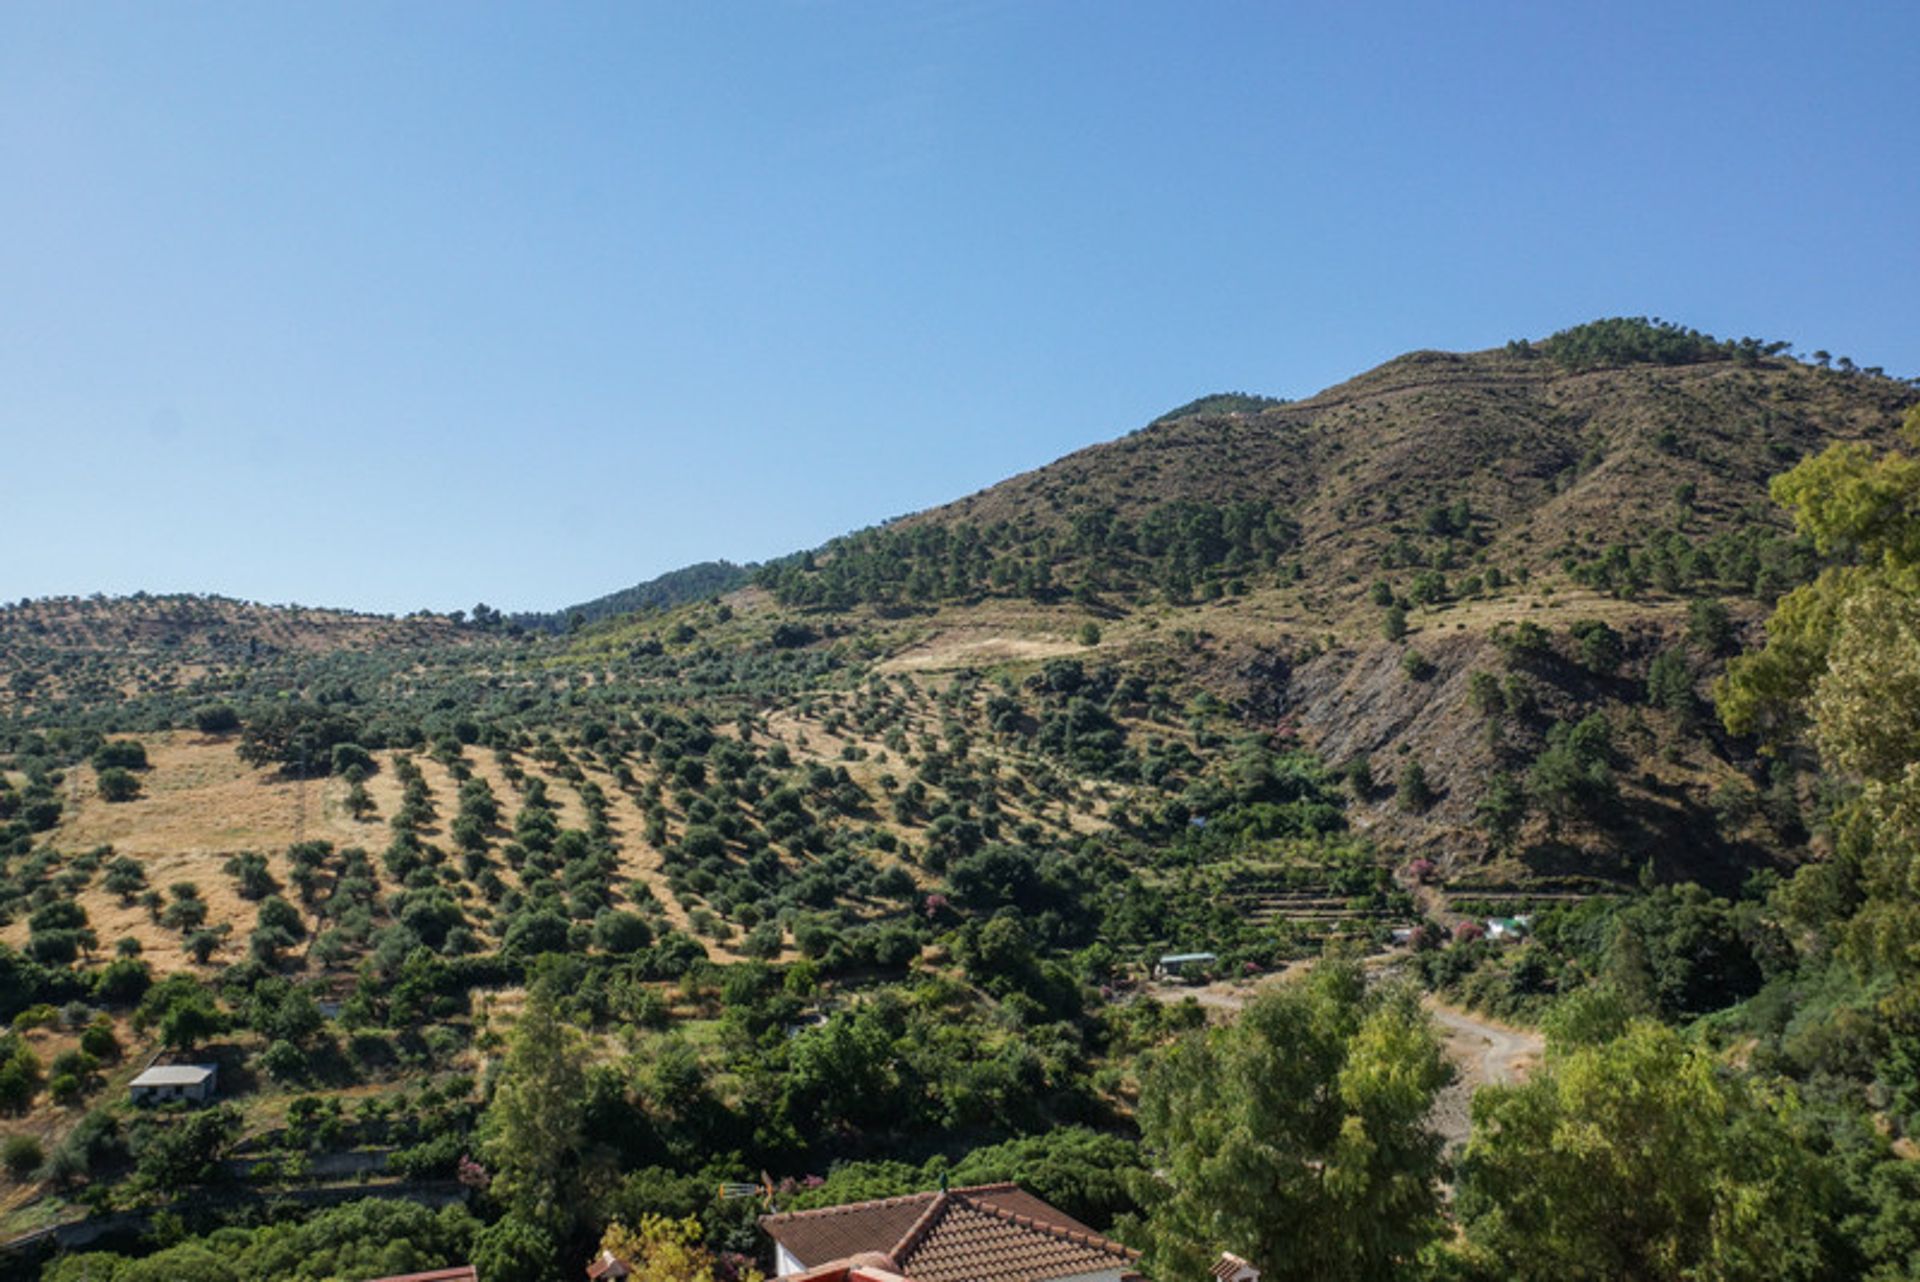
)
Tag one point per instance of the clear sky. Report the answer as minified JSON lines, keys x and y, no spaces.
{"x":422,"y":304}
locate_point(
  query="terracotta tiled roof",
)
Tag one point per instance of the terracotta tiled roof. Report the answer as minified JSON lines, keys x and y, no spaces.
{"x":996,"y":1232}
{"x":869,"y":1266}
{"x":607,"y":1263}
{"x":463,"y":1273}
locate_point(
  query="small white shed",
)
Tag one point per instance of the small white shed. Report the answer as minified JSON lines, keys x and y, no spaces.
{"x":1181,"y":965}
{"x":196,"y":1082}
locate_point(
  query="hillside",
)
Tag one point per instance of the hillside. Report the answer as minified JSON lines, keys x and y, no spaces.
{"x":869,"y":856}
{"x":85,"y":649}
{"x":1355,"y":568}
{"x":662,"y":592}
{"x":1506,"y":460}
{"x":193,"y":627}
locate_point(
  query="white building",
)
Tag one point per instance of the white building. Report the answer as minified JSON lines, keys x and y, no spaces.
{"x":196,"y":1082}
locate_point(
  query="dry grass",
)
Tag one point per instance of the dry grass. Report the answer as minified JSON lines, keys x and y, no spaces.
{"x":952,"y":651}
{"x":201,"y":804}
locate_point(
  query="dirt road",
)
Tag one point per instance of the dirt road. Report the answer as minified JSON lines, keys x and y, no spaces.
{"x":1485,"y":1052}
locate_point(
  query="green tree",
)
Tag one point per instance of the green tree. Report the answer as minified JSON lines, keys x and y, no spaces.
{"x":1393,"y":624}
{"x":249,"y":868}
{"x":513,"y":1250}
{"x":119,"y":785}
{"x":533,"y":1129}
{"x":1600,"y":647}
{"x":1639,"y":1158}
{"x":124,"y":754}
{"x":216,"y":718}
{"x":1573,"y":776}
{"x":1709,"y":628}
{"x":1670,"y":686}
{"x":186,"y":1262}
{"x":125,"y":878}
{"x":182,"y":1011}
{"x":187,"y":1150}
{"x":1501,"y":810}
{"x":1414,"y":794}
{"x":1297,"y":1136}
{"x":1842,"y":661}
{"x":22,"y":1155}
{"x":1483,"y":693}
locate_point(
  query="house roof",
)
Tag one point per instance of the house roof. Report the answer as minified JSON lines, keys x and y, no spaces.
{"x":1227,"y":1265}
{"x":869,"y":1266}
{"x":607,"y":1263}
{"x":461,"y":1273}
{"x":995,"y":1232}
{"x":174,"y":1075}
{"x":1178,"y":959}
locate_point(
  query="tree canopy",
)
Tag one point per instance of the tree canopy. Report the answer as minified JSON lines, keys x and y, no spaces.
{"x":1297,"y":1137}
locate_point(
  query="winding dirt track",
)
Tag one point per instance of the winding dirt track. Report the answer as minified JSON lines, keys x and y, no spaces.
{"x":1485,"y":1052}
{"x":1492,"y":1054}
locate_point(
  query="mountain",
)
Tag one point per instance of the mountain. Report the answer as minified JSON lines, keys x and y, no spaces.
{"x":1609,"y":482}
{"x":675,"y":587}
{"x":869,"y":852}
{"x":1511,"y":459}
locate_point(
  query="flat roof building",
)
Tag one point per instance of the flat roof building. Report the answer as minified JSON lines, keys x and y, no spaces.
{"x":196,"y":1082}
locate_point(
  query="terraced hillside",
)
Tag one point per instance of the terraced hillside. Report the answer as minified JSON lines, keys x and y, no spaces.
{"x":906,"y":818}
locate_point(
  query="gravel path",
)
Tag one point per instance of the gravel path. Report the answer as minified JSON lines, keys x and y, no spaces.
{"x":1487,"y":1054}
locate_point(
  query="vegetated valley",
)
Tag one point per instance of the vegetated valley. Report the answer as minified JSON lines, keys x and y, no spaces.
{"x":1569,"y":685}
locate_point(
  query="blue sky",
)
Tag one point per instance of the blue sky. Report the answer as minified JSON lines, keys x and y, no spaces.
{"x":418,"y":305}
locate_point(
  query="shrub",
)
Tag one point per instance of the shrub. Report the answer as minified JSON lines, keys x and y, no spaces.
{"x":351,"y":756}
{"x":123,"y":754}
{"x":99,"y":1042}
{"x":117,"y":784}
{"x":216,"y":718}
{"x":22,"y":1155}
{"x":1414,"y":793}
{"x":1600,"y":646}
{"x":283,"y":1061}
{"x":622,"y":932}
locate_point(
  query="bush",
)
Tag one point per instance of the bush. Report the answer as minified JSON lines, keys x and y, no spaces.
{"x":216,"y":718}
{"x":1601,"y":648}
{"x":622,"y":932}
{"x":123,"y":754}
{"x":117,"y":784}
{"x":99,"y":1042}
{"x":22,"y":1155}
{"x":283,"y":1062}
{"x":1414,"y":793}
{"x":349,"y":756}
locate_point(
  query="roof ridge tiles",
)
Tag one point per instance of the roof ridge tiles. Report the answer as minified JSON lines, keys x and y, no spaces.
{"x":917,"y":1231}
{"x":898,"y":1199}
{"x":817,"y":1212}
